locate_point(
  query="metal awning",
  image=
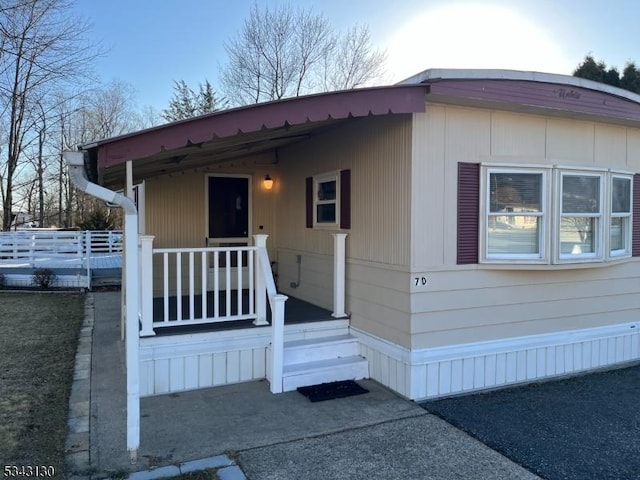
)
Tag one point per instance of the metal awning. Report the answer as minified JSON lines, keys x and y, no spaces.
{"x":228,"y":134}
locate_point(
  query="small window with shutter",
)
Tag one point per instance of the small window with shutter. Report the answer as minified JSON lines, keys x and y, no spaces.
{"x":328,"y":200}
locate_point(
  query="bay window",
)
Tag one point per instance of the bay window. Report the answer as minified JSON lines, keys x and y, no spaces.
{"x":554,"y":215}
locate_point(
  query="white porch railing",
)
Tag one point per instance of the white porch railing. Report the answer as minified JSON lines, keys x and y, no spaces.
{"x":211,"y":285}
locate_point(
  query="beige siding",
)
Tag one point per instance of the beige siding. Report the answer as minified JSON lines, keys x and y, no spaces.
{"x":378,"y":152}
{"x":428,"y":233}
{"x":379,"y":302}
{"x":570,"y":141}
{"x":517,"y":136}
{"x":610,"y":146}
{"x":176,"y":211}
{"x":475,"y":303}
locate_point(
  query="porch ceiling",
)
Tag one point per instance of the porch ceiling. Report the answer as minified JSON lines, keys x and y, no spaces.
{"x":229,"y":134}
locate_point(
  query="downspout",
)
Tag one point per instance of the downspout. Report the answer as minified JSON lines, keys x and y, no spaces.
{"x":78,"y":175}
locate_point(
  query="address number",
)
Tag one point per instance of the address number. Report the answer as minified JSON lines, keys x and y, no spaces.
{"x":420,"y":281}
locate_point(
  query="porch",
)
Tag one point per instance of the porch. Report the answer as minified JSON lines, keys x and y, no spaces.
{"x":212,"y":316}
{"x":297,"y":311}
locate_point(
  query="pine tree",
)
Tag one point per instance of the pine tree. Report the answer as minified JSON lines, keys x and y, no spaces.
{"x":187,"y":103}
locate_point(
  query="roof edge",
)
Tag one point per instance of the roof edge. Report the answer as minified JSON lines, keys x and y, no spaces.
{"x":437,"y":74}
{"x":244,"y":108}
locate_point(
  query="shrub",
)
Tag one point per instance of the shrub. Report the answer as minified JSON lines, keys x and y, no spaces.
{"x":43,"y":278}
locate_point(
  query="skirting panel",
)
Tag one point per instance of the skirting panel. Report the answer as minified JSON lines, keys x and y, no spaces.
{"x":201,"y":371}
{"x":187,"y":362}
{"x":61,"y":281}
{"x":442,"y":371}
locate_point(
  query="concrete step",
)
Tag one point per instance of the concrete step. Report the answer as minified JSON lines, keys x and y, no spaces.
{"x":317,"y":349}
{"x":323,"y":371}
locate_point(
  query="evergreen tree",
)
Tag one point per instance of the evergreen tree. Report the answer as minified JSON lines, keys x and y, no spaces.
{"x":598,"y":72}
{"x":630,"y":78}
{"x":187,"y":103}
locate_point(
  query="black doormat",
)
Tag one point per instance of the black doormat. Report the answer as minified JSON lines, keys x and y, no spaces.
{"x":329,"y":391}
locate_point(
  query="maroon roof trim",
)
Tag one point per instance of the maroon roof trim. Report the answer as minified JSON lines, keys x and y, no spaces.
{"x":538,"y":95}
{"x":253,"y":118}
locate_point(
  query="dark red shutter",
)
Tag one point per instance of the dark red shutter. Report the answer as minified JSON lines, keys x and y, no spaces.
{"x":309,"y":201}
{"x":635,"y":235}
{"x":345,"y":199}
{"x":468,"y":212}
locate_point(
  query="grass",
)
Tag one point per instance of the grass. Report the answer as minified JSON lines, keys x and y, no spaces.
{"x":209,"y":474}
{"x":37,"y":344}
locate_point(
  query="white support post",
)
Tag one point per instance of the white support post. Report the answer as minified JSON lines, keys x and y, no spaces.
{"x":129,"y":181}
{"x":260,"y":241}
{"x":87,"y":251}
{"x":132,"y":343}
{"x":277,"y":343}
{"x":339,"y":275}
{"x":146,"y":285}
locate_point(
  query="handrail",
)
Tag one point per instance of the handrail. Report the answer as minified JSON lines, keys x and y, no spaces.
{"x":276,"y":301}
{"x":244,"y":248}
{"x":265,"y":267}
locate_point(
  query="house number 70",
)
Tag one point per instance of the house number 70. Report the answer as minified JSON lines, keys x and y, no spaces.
{"x":420,"y":281}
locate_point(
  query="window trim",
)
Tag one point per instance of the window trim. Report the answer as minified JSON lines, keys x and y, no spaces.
{"x":628,"y":237}
{"x":542,"y":257}
{"x":551,"y":216}
{"x":317,"y":180}
{"x":601,"y":218}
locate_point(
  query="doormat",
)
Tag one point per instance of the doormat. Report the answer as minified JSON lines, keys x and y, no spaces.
{"x":329,"y":391}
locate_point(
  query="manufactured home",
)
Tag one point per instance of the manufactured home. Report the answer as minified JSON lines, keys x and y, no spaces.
{"x":461,"y":230}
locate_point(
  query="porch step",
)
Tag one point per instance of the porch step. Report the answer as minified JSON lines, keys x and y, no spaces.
{"x":321,"y":360}
{"x":323,"y":371}
{"x":316,"y":349}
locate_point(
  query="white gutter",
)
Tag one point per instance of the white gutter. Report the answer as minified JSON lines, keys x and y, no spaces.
{"x":78,"y":175}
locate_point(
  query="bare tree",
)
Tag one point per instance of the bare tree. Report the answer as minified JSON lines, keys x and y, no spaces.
{"x":42,"y":45}
{"x":352,"y":62}
{"x":289,"y":52}
{"x":100,"y":113}
{"x":147,"y":117}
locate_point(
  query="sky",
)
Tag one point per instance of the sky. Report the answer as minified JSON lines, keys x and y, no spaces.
{"x":151,"y":43}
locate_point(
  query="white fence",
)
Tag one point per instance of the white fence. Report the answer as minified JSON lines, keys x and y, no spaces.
{"x":55,"y":249}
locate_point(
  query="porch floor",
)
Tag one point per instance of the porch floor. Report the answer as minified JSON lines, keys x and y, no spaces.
{"x":296,"y":311}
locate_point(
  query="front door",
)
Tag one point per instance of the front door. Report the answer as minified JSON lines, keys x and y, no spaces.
{"x":229,"y":204}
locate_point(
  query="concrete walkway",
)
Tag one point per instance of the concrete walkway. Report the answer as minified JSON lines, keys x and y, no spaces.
{"x":252,"y":433}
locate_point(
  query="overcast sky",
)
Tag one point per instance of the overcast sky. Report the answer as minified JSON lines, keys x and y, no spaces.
{"x":151,"y":43}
